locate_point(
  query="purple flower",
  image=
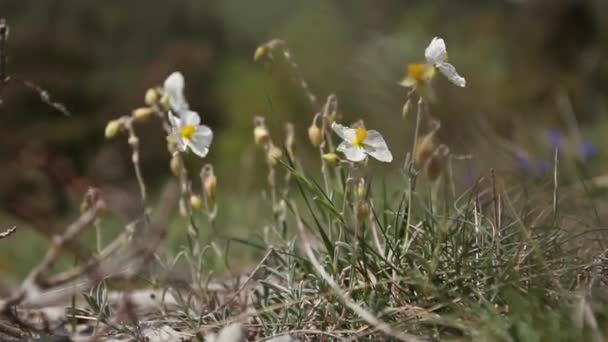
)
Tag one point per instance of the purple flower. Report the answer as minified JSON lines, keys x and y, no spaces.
{"x":554,"y":138}
{"x":522,"y":162}
{"x":587,"y":150}
{"x":542,"y":168}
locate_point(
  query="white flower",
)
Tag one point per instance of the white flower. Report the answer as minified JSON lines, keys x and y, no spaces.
{"x":359,"y":142}
{"x":437,"y":55}
{"x":187,"y":132}
{"x":174,"y":89}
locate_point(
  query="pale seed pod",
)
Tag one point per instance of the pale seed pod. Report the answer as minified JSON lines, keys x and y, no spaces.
{"x":175,"y":165}
{"x":112,"y":128}
{"x":315,"y":135}
{"x":331,"y":159}
{"x":209,"y":184}
{"x":362,"y":210}
{"x":261,"y":136}
{"x":196,"y":202}
{"x":152,"y":97}
{"x":274,"y":154}
{"x":259,"y":53}
{"x":142,"y":113}
{"x":165,"y":101}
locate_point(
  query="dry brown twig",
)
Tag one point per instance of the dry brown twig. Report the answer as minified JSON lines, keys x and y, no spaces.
{"x":40,"y":289}
{"x":5,"y":78}
{"x":35,"y":280}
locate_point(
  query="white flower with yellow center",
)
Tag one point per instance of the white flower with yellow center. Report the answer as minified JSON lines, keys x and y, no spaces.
{"x":174,"y":89}
{"x":417,"y":75}
{"x":187,"y":132}
{"x":359,"y":143}
{"x":436,"y":54}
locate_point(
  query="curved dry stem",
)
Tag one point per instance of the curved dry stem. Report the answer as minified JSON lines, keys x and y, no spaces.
{"x":343,"y":296}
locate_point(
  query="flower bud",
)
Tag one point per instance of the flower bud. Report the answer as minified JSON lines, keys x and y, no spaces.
{"x":165,"y":101}
{"x":175,"y":165}
{"x":274,"y":154}
{"x":362,"y":210}
{"x":331,"y":159}
{"x":112,"y":128}
{"x":152,"y":97}
{"x":260,"y":135}
{"x":195,"y":201}
{"x":259,"y":53}
{"x":142,"y":113}
{"x":210,"y":187}
{"x":315,"y":135}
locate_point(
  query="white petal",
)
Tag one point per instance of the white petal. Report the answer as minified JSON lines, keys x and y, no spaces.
{"x":450,"y":72}
{"x":376,"y":147}
{"x":190,"y":118}
{"x":381,"y":153}
{"x":346,"y":133}
{"x":436,"y":51}
{"x":201,"y":140}
{"x":204,"y":131}
{"x":174,"y":87}
{"x":374,"y":139}
{"x":175,"y":82}
{"x":351,"y":152}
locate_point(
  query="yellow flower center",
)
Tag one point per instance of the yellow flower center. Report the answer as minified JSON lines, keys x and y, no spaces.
{"x":187,"y":132}
{"x":420,"y":72}
{"x":360,"y":135}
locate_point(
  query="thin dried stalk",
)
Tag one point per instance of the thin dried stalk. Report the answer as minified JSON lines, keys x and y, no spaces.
{"x":34,"y":281}
{"x":8,"y":232}
{"x":344,"y":296}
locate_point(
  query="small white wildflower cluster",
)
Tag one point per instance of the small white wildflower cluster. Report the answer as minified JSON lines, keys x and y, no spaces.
{"x":358,"y":143}
{"x":186,"y":130}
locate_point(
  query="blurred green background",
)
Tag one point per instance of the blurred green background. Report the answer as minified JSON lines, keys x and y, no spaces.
{"x":536,"y":76}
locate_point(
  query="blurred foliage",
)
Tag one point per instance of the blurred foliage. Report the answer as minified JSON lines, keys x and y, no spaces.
{"x":526,"y":62}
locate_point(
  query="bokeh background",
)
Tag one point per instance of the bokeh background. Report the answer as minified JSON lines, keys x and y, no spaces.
{"x":537,"y":77}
